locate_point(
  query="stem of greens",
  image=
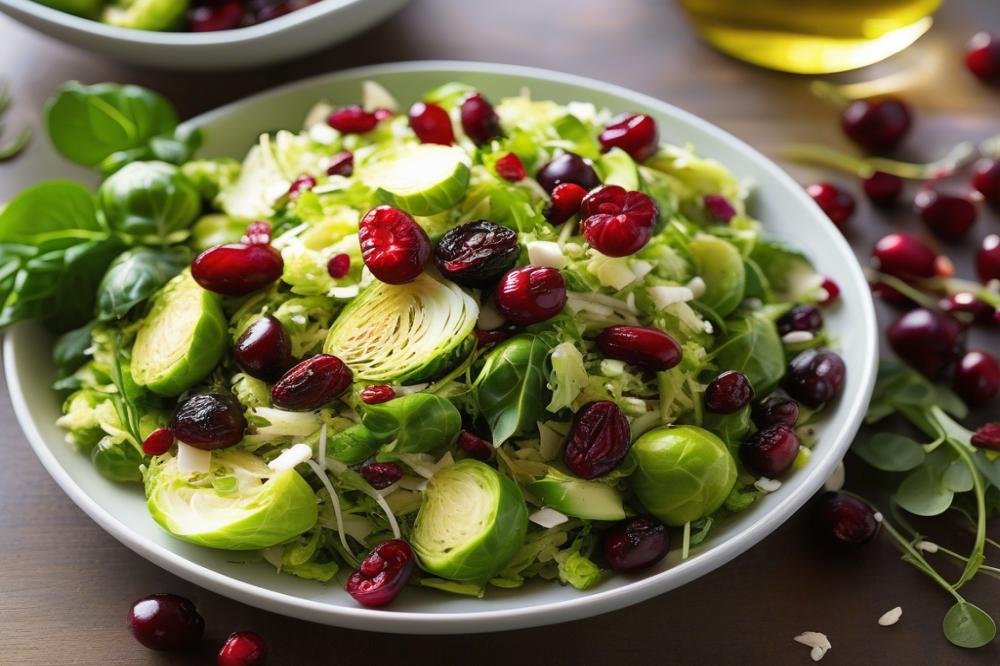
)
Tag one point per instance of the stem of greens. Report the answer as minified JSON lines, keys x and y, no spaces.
{"x":865,"y":167}
{"x":914,"y":557}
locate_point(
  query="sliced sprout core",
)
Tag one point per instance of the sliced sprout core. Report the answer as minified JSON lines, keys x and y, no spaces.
{"x":422,"y":179}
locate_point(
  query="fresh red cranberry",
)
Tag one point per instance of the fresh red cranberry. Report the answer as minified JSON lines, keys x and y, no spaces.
{"x":264,"y":350}
{"x":237,"y":269}
{"x":474,"y":446}
{"x":479,"y":121}
{"x":567,"y":168}
{"x":815,"y":376}
{"x":477,"y":253}
{"x":209,"y":421}
{"x":341,"y":164}
{"x":617,"y":223}
{"x":771,"y":451}
{"x":719,"y":208}
{"x":311,"y":384}
{"x":488,"y":338}
{"x":530,"y":294}
{"x":213,"y":17}
{"x":844,"y":520}
{"x":376,"y":394}
{"x":832,"y":291}
{"x":352,"y":120}
{"x":393,"y":246}
{"x":509,"y":167}
{"x":380,"y":475}
{"x":803,"y":317}
{"x":636,"y":543}
{"x":835,"y":202}
{"x":876,"y":125}
{"x":648,"y":348}
{"x":257,"y":233}
{"x":883,"y":189}
{"x":165,"y":622}
{"x":431,"y":124}
{"x":338,"y":266}
{"x":965,"y":304}
{"x":904,"y":256}
{"x":598,"y":440}
{"x":986,"y":179}
{"x":776,"y":410}
{"x":728,"y":393}
{"x":977,"y":377}
{"x":982,"y":57}
{"x":947,"y":215}
{"x":243,"y":648}
{"x":929,"y":341}
{"x":635,"y":133}
{"x":158,"y":442}
{"x":564,"y":203}
{"x":988,"y":259}
{"x":303,"y":183}
{"x":382,"y":575}
{"x":987,"y":436}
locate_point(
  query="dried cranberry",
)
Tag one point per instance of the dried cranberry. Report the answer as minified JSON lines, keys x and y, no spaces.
{"x":648,"y":348}
{"x":479,"y":121}
{"x":165,"y":622}
{"x":530,"y":294}
{"x":487,"y":338}
{"x":965,"y":305}
{"x":237,"y":269}
{"x":977,"y":377}
{"x":845,"y":520}
{"x":883,"y":189}
{"x":352,"y":120}
{"x":567,"y":168}
{"x":209,"y":421}
{"x":929,"y":341}
{"x":815,"y":376}
{"x":719,"y":208}
{"x":477,"y":253}
{"x":617,"y":223}
{"x":835,"y":202}
{"x":338,"y":266}
{"x":987,"y":436}
{"x":264,"y":350}
{"x":771,"y":451}
{"x":636,"y":543}
{"x":876,"y":125}
{"x":803,"y":317}
{"x":948,"y":215}
{"x":376,"y":394}
{"x":832,"y":291}
{"x":635,"y":133}
{"x":982,"y":57}
{"x":243,"y":648}
{"x":341,"y":164}
{"x":311,"y":384}
{"x":393,"y":246}
{"x":158,"y":442}
{"x":382,"y":575}
{"x":598,"y":440}
{"x":728,"y":393}
{"x":474,"y":446}
{"x":303,"y":183}
{"x":988,"y":259}
{"x":431,"y":124}
{"x":380,"y":475}
{"x":776,"y":410}
{"x":217,"y":16}
{"x":986,"y":179}
{"x":509,"y":167}
{"x":564,"y":203}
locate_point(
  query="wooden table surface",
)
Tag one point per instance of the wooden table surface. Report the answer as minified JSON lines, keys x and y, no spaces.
{"x":65,"y":585}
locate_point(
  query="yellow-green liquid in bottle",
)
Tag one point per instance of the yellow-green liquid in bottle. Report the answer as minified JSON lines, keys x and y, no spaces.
{"x":811,"y":36}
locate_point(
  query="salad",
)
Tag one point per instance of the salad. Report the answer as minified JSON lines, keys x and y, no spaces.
{"x":458,"y":347}
{"x":179,"y":15}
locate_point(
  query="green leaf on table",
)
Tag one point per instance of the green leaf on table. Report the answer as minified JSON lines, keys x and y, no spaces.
{"x":949,"y":401}
{"x":135,"y":275}
{"x":957,"y":477}
{"x":890,"y":452}
{"x":923,"y":492}
{"x":51,"y":215}
{"x":968,"y":626}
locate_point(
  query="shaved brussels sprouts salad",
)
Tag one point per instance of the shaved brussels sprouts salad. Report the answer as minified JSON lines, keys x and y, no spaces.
{"x":459,"y":347}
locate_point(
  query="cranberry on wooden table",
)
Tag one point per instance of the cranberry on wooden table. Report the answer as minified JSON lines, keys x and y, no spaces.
{"x":728,"y":393}
{"x":982,"y":57}
{"x":904,"y":256}
{"x":311,"y":384}
{"x":598,"y":440}
{"x":844,"y":520}
{"x":883,"y":189}
{"x":835,"y":202}
{"x":988,"y":259}
{"x":264,"y":349}
{"x":776,"y":410}
{"x":977,"y":377}
{"x":567,"y":168}
{"x":477,"y":253}
{"x":530,"y":294}
{"x":474,"y":446}
{"x":986,"y":179}
{"x":876,"y":125}
{"x":949,"y":216}
{"x":209,"y":421}
{"x":381,"y":475}
{"x":771,"y":451}
{"x":966,"y":304}
{"x":929,"y":341}
{"x":479,"y":121}
{"x":243,"y":648}
{"x":815,"y":376}
{"x":376,"y":394}
{"x":158,"y":442}
{"x":635,"y":133}
{"x":382,"y":575}
{"x":352,"y":119}
{"x":564,"y":202}
{"x":635,"y":544}
{"x":165,"y":622}
{"x":648,"y":348}
{"x":393,"y":246}
{"x":431,"y":123}
{"x":616,"y":222}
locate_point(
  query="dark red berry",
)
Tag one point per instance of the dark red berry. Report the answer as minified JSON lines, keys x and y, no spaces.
{"x":929,"y":341}
{"x":339,"y":265}
{"x":311,"y":384}
{"x":352,"y":120}
{"x":376,"y":394}
{"x":567,"y":168}
{"x":509,"y":167}
{"x":776,"y":411}
{"x":832,"y":290}
{"x":479,"y":121}
{"x":987,"y":436}
{"x":835,"y":202}
{"x":257,"y":233}
{"x":474,"y":446}
{"x":771,"y":451}
{"x":341,"y":164}
{"x":904,"y":256}
{"x":977,"y":377}
{"x":216,"y":16}
{"x":382,"y":575}
{"x":617,"y":223}
{"x":986,"y":179}
{"x":728,"y":393}
{"x":237,"y":269}
{"x":719,"y":209}
{"x":815,"y":376}
{"x":988,"y":259}
{"x":487,"y":338}
{"x":165,"y":622}
{"x":393,"y":246}
{"x":982,"y":57}
{"x":803,"y":317}
{"x":648,"y":348}
{"x":209,"y":421}
{"x":264,"y":350}
{"x":883,"y":189}
{"x":530,"y":294}
{"x":243,"y":648}
{"x":845,"y":520}
{"x":947,"y":215}
{"x":477,"y":253}
{"x":876,"y":125}
{"x":636,"y":543}
{"x":158,"y":442}
{"x":598,"y":440}
{"x":564,"y":203}
{"x":303,"y":183}
{"x":968,"y":308}
{"x":431,"y":124}
{"x":635,"y":133}
{"x":380,"y":475}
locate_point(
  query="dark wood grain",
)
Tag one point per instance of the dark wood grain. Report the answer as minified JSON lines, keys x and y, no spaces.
{"x":65,"y":585}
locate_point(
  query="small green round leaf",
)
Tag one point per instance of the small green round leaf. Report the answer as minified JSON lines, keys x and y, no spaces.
{"x":968,"y":626}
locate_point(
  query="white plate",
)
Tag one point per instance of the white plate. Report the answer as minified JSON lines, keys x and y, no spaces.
{"x":311,"y":28}
{"x":783,"y":206}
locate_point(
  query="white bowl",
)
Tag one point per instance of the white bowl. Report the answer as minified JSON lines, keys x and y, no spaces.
{"x":783,"y":206}
{"x":309,"y":29}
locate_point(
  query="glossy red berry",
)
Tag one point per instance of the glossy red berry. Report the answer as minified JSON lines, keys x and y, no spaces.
{"x":382,"y":575}
{"x":831,"y":292}
{"x":393,"y":246}
{"x":883,"y":189}
{"x":264,"y":349}
{"x":876,"y":125}
{"x":479,"y":121}
{"x":341,"y":164}
{"x":615,"y":222}
{"x":636,"y":543}
{"x":977,"y":377}
{"x":966,"y":307}
{"x":564,"y":203}
{"x":216,"y":16}
{"x":237,"y":269}
{"x":728,"y":393}
{"x":158,"y":442}
{"x":311,"y":384}
{"x":986,"y":179}
{"x":431,"y":124}
{"x":376,"y":394}
{"x":339,"y":265}
{"x":381,"y":475}
{"x":488,"y":338}
{"x":904,"y":256}
{"x":243,"y":648}
{"x":648,"y":348}
{"x":988,"y":259}
{"x":928,"y":340}
{"x":474,"y":446}
{"x":947,"y":215}
{"x":598,"y":440}
{"x":352,"y":120}
{"x":719,"y":208}
{"x":982,"y":57}
{"x":802,"y":317}
{"x":509,"y":167}
{"x":477,"y":253}
{"x":815,"y":376}
{"x":303,"y":183}
{"x":635,"y":133}
{"x":165,"y":622}
{"x":835,"y":202}
{"x":209,"y":421}
{"x":844,"y":520}
{"x":530,"y":294}
{"x":776,"y":410}
{"x":987,"y":436}
{"x":771,"y":451}
{"x":567,"y":168}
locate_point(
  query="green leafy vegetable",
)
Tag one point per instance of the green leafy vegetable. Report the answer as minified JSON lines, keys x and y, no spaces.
{"x":511,"y":388}
{"x":150,"y":201}
{"x":135,"y":275}
{"x":416,"y":423}
{"x":752,"y":346}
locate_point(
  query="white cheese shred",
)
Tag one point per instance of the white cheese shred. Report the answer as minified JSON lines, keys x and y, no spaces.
{"x":191,"y":460}
{"x":335,"y":499}
{"x":818,"y":643}
{"x":291,"y":457}
{"x":548,"y":518}
{"x":890,"y":617}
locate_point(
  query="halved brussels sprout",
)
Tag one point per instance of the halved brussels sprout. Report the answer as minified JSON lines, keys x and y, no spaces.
{"x":618,"y":168}
{"x":146,"y":14}
{"x":576,"y":497}
{"x":235,"y":507}
{"x":149,"y":200}
{"x":721,"y":267}
{"x":404,"y":333}
{"x":684,"y":473}
{"x":415,"y":423}
{"x":216,"y":229}
{"x":422,"y":179}
{"x":181,"y":340}
{"x":471,"y":522}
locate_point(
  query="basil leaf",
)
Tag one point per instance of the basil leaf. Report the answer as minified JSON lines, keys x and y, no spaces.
{"x":966,"y":625}
{"x":70,"y":350}
{"x":752,"y":346}
{"x":51,"y":215}
{"x":135,"y":275}
{"x":511,"y":389}
{"x":890,"y":452}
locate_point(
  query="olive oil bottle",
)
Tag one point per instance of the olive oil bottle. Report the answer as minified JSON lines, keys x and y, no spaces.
{"x":811,"y":36}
